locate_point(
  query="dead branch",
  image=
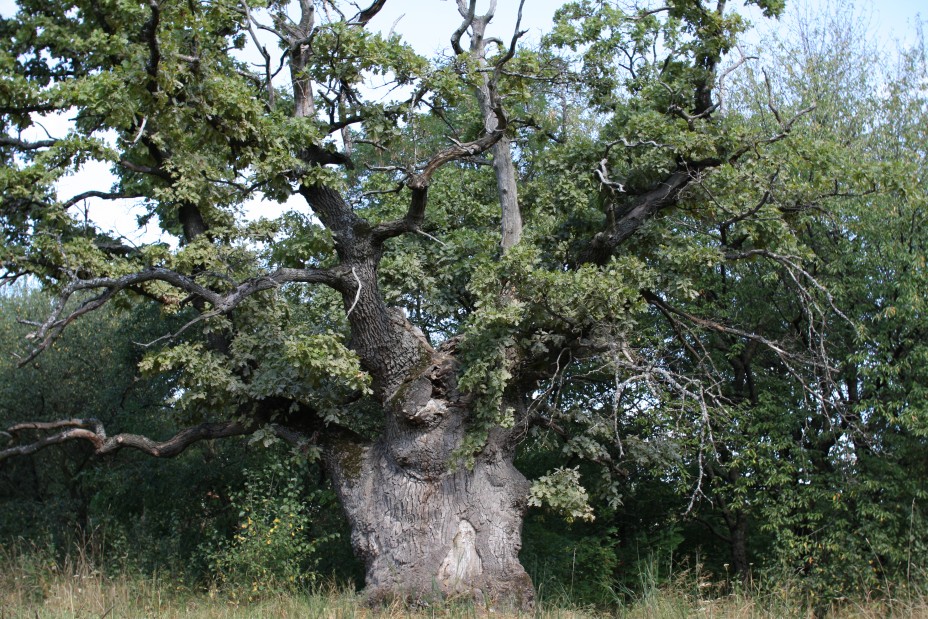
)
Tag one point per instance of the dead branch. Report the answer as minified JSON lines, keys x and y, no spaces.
{"x":6,"y":140}
{"x":516,"y":35}
{"x":467,"y":12}
{"x":369,"y":13}
{"x":776,"y":347}
{"x":268,"y":76}
{"x":792,"y":265}
{"x":92,"y":430}
{"x":103,"y":195}
{"x":52,"y":327}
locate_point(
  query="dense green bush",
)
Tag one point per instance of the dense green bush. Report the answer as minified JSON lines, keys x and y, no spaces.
{"x":129,"y":511}
{"x":271,"y":547}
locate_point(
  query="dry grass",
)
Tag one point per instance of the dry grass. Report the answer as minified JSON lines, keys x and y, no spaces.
{"x":669,"y":604}
{"x":33,"y":588}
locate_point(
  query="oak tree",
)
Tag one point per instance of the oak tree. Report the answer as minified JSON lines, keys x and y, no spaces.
{"x":509,"y":245}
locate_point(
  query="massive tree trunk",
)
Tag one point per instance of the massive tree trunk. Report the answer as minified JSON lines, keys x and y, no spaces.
{"x":426,"y":526}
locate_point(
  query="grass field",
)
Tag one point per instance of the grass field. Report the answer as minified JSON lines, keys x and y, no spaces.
{"x":72,"y":589}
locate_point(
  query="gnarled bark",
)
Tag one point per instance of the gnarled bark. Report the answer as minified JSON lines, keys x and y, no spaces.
{"x":425,"y":526}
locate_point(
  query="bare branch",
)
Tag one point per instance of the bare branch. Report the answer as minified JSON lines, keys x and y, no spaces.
{"x":138,"y":136}
{"x":92,"y":431}
{"x":776,"y":347}
{"x":268,"y":76}
{"x":773,"y":108}
{"x":793,"y":266}
{"x":368,"y":14}
{"x":49,"y":330}
{"x":624,"y":142}
{"x":817,"y":358}
{"x":357,"y":295}
{"x":430,"y":237}
{"x":6,"y":140}
{"x":172,"y":336}
{"x":602,"y":173}
{"x":468,"y":14}
{"x":692,"y":118}
{"x":103,"y":195}
{"x":379,"y":192}
{"x":298,"y":40}
{"x":729,"y":71}
{"x":517,"y":34}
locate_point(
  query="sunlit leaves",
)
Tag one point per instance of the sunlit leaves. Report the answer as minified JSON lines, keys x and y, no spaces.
{"x":562,"y":492}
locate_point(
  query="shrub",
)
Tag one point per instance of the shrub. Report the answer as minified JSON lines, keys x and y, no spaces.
{"x":272,"y":545}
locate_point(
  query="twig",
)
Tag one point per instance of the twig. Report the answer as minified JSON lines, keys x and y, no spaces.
{"x":429,"y":236}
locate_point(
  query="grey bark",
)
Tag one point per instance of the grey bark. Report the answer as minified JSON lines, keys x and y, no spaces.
{"x":298,"y":37}
{"x":425,"y":527}
{"x":508,"y":194}
{"x":503,"y":167}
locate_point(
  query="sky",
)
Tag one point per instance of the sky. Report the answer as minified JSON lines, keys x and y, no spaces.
{"x":427,"y":26}
{"x":429,"y":30}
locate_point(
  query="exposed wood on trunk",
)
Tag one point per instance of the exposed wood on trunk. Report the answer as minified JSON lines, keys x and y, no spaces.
{"x":424,"y":525}
{"x":642,"y":208}
{"x":298,"y":37}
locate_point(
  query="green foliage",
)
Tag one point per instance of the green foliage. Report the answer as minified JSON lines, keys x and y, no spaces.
{"x":574,"y":564}
{"x":272,"y":546}
{"x":63,"y":495}
{"x":138,"y":514}
{"x":743,"y":378}
{"x":561,"y":491}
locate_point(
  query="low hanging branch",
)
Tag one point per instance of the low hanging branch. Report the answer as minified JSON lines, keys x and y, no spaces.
{"x":93,"y":431}
{"x":49,"y":330}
